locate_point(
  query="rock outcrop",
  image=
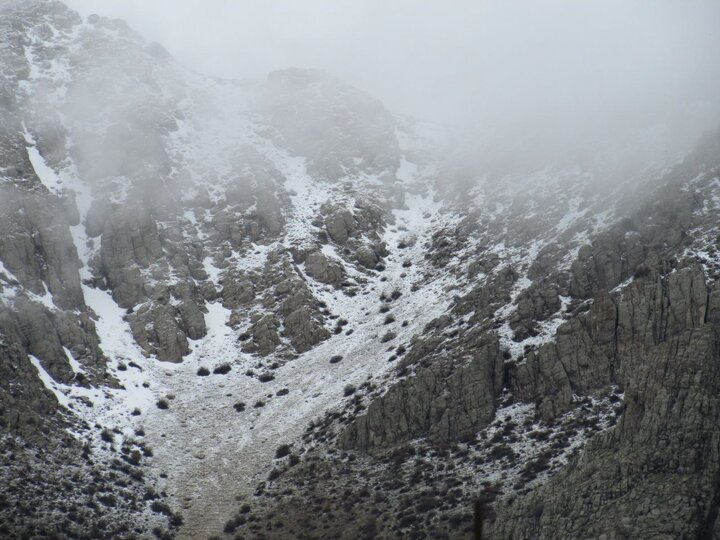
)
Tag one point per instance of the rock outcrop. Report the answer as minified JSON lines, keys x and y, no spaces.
{"x":444,"y":402}
{"x":643,"y":478}
{"x":386,"y":334}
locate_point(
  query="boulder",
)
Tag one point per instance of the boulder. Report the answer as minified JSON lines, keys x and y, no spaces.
{"x":319,"y":267}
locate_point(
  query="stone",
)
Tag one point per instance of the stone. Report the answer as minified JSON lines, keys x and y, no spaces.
{"x":442,"y":402}
{"x":319,"y":267}
{"x":304,"y":330}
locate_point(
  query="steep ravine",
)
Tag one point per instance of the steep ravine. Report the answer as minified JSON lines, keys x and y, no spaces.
{"x":214,"y":454}
{"x":627,"y":384}
{"x":272,"y":309}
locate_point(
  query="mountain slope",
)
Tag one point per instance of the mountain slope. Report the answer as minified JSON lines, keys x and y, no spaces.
{"x":225,"y":303}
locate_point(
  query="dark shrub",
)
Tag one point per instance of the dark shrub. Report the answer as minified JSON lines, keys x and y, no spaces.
{"x":282,"y":451}
{"x":266,"y":377}
{"x":161,"y":508}
{"x":283,"y":392}
{"x":503,"y":451}
{"x":542,"y":435}
{"x":230,"y":526}
{"x":162,"y":404}
{"x":134,"y":457}
{"x":425,"y":504}
{"x":108,"y":500}
{"x":538,"y":509}
{"x":203,"y":371}
{"x":349,"y":390}
{"x":222,"y":369}
{"x":641,"y":271}
{"x":335,"y":359}
{"x":239,"y":406}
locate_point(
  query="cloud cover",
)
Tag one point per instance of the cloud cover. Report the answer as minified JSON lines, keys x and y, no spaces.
{"x":552,"y":70}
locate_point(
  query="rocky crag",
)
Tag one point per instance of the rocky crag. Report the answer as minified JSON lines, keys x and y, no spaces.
{"x":273,"y":309}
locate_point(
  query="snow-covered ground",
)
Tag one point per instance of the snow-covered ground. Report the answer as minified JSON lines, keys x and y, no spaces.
{"x":215,"y":440}
{"x":211,"y":452}
{"x":210,"y":449}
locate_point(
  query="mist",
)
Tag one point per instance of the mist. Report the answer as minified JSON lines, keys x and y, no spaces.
{"x":257,"y":254}
{"x":552,"y":77}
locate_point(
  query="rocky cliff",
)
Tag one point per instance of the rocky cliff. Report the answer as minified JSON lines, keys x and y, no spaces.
{"x":273,"y":309}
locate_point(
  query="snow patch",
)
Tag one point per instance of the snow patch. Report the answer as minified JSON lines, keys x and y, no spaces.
{"x":44,"y":172}
{"x":74,"y":364}
{"x":49,"y":382}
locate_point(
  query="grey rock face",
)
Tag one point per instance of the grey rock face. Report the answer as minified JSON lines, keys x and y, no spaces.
{"x":443,"y":402}
{"x":590,"y":351}
{"x":575,"y":363}
{"x":25,"y":404}
{"x":130,"y":243}
{"x":367,"y":257}
{"x":616,"y":256}
{"x":265,"y":336}
{"x":534,"y":337}
{"x":158,"y":331}
{"x":364,"y":219}
{"x":340,"y":225}
{"x":304,"y":330}
{"x":319,"y":267}
{"x":36,"y":245}
{"x":534,"y":304}
{"x":237,"y":290}
{"x":340,"y":130}
{"x":641,"y":478}
{"x":42,"y":310}
{"x":639,"y":317}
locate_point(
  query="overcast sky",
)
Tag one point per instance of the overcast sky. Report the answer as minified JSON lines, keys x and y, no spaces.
{"x":510,"y":63}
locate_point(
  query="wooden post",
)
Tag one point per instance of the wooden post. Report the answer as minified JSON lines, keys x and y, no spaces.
{"x":479,"y":516}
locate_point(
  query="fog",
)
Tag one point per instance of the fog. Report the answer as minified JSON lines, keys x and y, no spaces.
{"x":545,"y":74}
